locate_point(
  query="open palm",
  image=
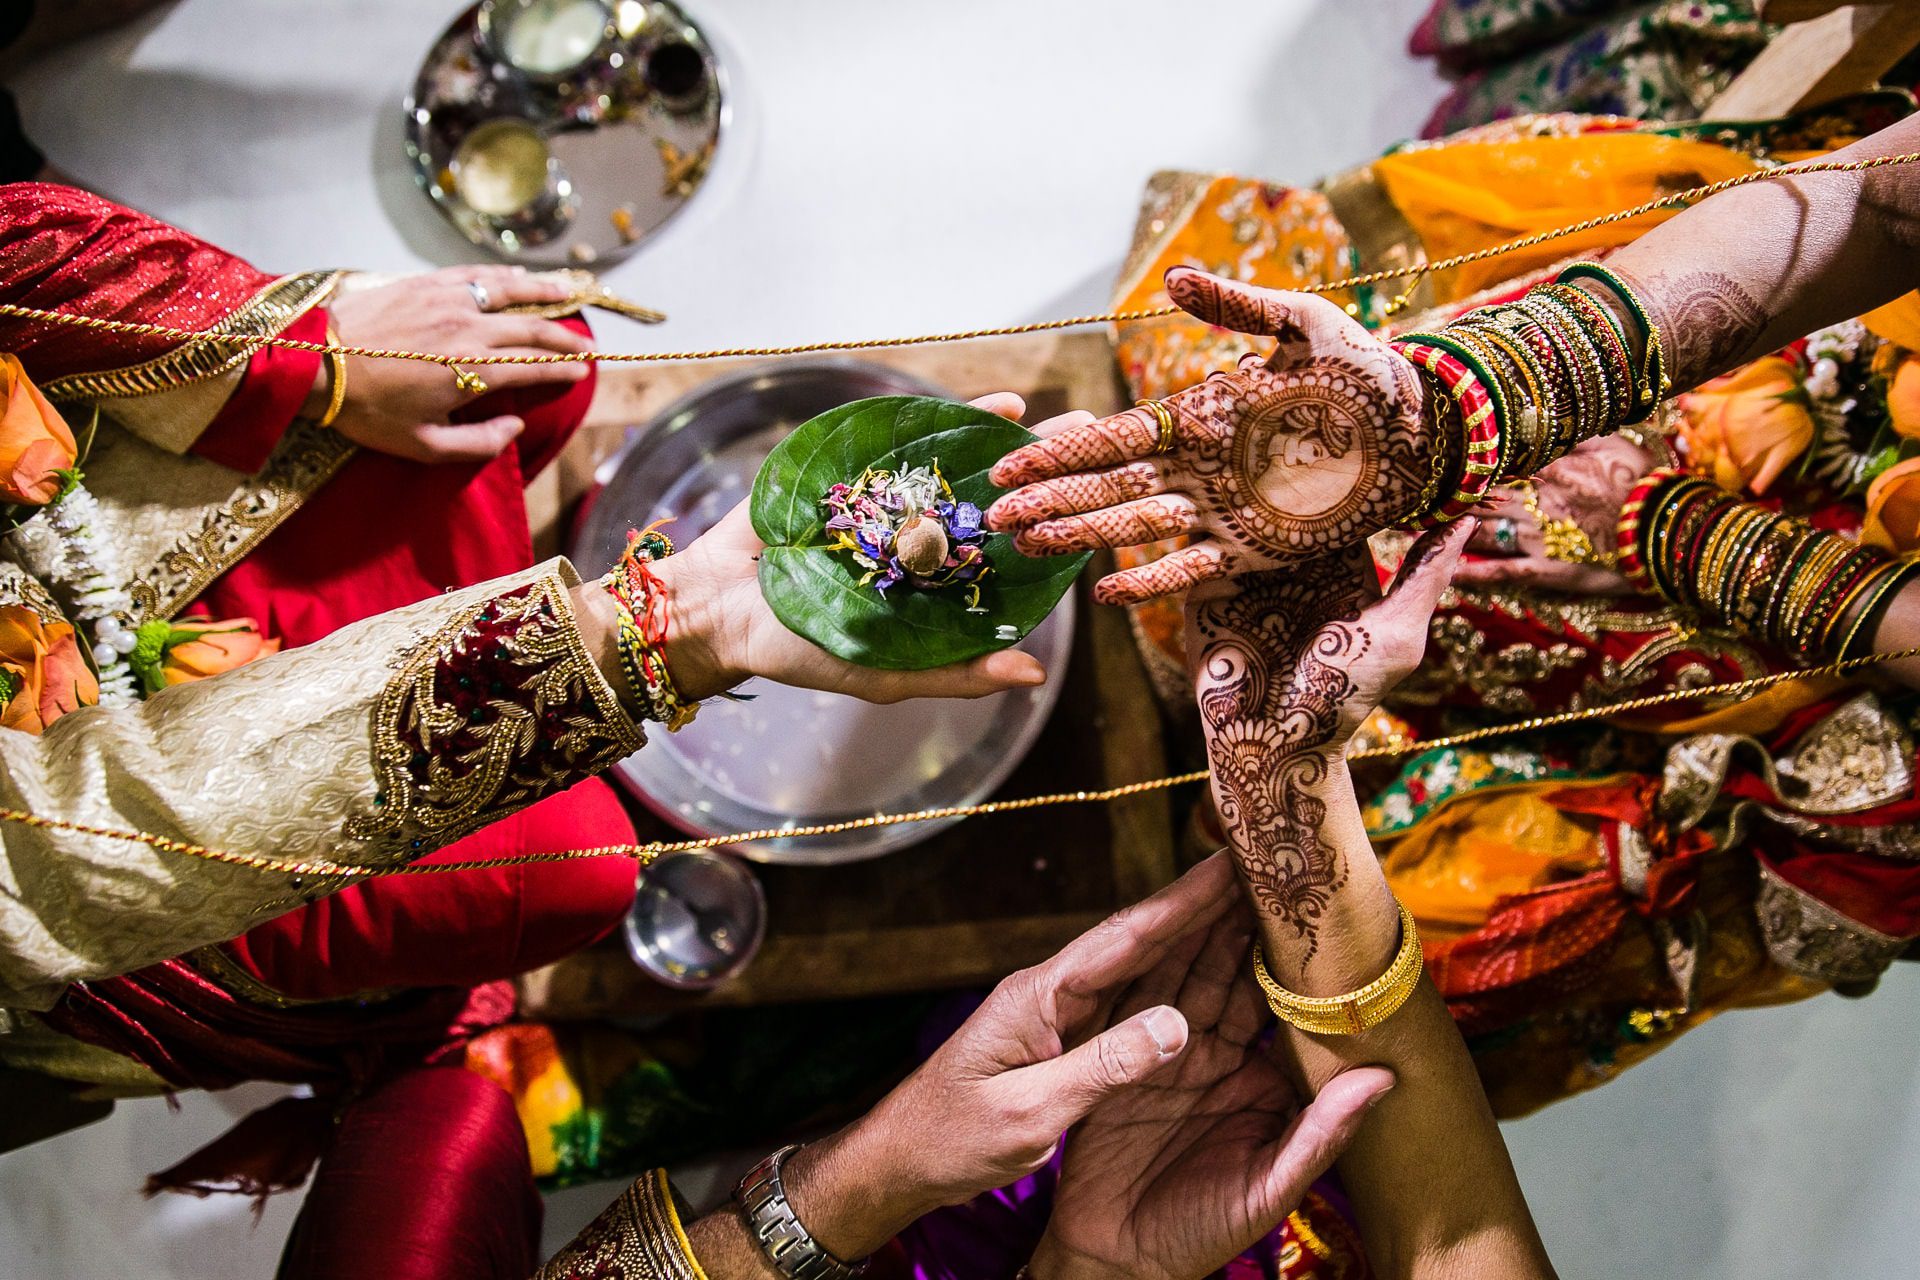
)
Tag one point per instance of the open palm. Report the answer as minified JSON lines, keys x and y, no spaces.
{"x":1174,"y":1177}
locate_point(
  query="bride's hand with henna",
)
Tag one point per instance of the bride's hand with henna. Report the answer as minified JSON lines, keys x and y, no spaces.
{"x":1288,"y":456}
{"x":1584,"y":490}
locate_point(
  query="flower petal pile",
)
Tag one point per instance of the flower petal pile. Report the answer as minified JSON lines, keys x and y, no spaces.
{"x":906,"y":527}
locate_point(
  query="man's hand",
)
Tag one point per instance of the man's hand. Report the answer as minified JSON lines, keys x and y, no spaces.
{"x":722,"y":631}
{"x":990,"y":1105}
{"x":1292,"y":456}
{"x":404,"y":407}
{"x":1169,"y":1180}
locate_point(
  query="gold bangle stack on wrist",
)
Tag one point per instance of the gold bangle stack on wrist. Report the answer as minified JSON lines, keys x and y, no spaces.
{"x":1356,"y":1011}
{"x":1546,"y":371}
{"x":1806,"y":591}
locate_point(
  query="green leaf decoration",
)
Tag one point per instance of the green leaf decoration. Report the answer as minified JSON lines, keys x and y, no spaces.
{"x":816,"y":590}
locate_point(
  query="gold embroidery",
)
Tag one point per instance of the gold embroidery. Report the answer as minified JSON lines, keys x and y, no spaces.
{"x":265,"y":314}
{"x":638,"y":1237}
{"x":218,"y":966}
{"x":1807,"y":937}
{"x":306,"y":459}
{"x":500,"y":707}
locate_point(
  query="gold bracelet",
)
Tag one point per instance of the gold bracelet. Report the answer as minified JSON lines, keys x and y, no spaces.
{"x":1356,"y":1011}
{"x":337,"y":361}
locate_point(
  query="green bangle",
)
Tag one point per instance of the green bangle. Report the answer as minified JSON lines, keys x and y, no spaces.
{"x":1654,"y":380}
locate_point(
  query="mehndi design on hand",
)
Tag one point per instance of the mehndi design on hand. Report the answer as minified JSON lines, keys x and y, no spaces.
{"x":1286,"y":665}
{"x":1284,"y":457}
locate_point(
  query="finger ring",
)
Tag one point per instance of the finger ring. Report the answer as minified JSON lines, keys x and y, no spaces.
{"x":481,"y":298}
{"x":1506,"y":534}
{"x":1162,"y":415}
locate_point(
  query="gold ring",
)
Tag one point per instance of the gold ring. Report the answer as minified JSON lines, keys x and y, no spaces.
{"x":1162,"y":415}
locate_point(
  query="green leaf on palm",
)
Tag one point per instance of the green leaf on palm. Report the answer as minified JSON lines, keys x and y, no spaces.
{"x":816,"y":589}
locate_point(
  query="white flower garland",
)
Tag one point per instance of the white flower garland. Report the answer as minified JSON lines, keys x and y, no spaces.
{"x":58,"y":545}
{"x":1830,"y":353}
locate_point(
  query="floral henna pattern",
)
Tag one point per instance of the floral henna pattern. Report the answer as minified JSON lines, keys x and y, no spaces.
{"x":1271,"y":663}
{"x":1707,"y":320}
{"x":1131,"y":524}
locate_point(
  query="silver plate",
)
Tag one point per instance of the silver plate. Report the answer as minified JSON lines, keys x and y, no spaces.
{"x":794,"y":757}
{"x":574,"y":167}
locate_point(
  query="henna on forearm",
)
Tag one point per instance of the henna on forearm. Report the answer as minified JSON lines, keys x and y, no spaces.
{"x":1271,"y":662}
{"x":1749,"y":270}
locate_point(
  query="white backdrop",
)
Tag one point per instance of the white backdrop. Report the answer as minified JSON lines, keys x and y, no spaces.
{"x":907,"y":167}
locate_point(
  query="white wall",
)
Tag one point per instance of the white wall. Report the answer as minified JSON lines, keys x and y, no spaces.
{"x":908,"y":167}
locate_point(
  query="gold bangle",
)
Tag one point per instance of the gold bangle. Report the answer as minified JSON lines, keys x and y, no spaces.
{"x":1357,"y":1011}
{"x":337,"y":361}
{"x":1164,"y":417}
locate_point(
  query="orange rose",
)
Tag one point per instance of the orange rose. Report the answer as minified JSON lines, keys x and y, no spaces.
{"x":1893,"y":508}
{"x":197,"y":649}
{"x":35,"y":444}
{"x":42,"y":671}
{"x":1748,"y":426}
{"x":1903,"y":395}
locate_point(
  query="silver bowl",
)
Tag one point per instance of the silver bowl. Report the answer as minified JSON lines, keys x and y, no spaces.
{"x":697,"y":919}
{"x":629,"y":113}
{"x":795,"y":757}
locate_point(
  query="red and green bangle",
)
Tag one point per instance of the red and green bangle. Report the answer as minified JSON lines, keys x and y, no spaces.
{"x":1632,"y":551}
{"x":1480,"y":423}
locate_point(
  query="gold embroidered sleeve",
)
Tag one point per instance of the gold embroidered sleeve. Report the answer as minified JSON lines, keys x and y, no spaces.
{"x":373,"y":746}
{"x":639,"y":1237}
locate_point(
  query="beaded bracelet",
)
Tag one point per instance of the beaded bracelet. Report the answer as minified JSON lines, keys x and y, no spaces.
{"x":642,"y":636}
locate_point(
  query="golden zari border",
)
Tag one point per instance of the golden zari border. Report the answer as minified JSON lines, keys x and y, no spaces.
{"x":306,"y":459}
{"x":264,"y":315}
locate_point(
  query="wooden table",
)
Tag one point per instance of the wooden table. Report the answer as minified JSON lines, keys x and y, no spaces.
{"x":981,"y":898}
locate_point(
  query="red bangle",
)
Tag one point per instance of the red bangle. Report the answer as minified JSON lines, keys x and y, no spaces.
{"x":1633,"y":563}
{"x":1482,"y":453}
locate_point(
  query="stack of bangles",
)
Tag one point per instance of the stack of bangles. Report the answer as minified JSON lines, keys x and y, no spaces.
{"x":1515,"y":385}
{"x":642,"y":637}
{"x":1356,"y":1011}
{"x":1806,"y":591}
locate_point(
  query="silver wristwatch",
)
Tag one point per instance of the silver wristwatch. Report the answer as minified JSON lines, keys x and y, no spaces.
{"x":793,"y":1252}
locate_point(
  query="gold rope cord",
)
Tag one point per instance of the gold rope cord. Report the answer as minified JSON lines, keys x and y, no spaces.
{"x":646,"y":853}
{"x":456,"y":362}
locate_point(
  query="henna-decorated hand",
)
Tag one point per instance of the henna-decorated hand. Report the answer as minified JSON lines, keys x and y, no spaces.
{"x":1286,"y":666}
{"x":1587,"y":487}
{"x":1283,"y":458}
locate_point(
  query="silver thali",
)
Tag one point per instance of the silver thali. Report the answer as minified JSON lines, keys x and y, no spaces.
{"x":793,"y":757}
{"x":564,"y":132}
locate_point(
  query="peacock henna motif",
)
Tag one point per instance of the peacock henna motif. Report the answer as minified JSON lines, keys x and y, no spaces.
{"x":1271,"y":660}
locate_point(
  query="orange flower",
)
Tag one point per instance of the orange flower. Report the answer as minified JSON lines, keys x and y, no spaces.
{"x":1748,"y":426}
{"x":1893,"y":508}
{"x":1903,"y":395}
{"x":42,"y":670}
{"x":35,"y":444}
{"x":197,"y":648}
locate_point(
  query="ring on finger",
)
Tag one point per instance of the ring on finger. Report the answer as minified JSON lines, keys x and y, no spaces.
{"x":1164,"y":417}
{"x":1505,"y":531}
{"x":481,"y":298}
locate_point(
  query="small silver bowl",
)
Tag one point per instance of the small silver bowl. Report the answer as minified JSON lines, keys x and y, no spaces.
{"x":697,"y":920}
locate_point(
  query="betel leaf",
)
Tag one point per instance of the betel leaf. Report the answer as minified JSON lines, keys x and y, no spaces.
{"x":815,"y":590}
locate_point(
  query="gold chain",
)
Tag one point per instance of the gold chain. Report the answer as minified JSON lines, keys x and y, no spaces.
{"x":646,"y":853}
{"x":456,"y":363}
